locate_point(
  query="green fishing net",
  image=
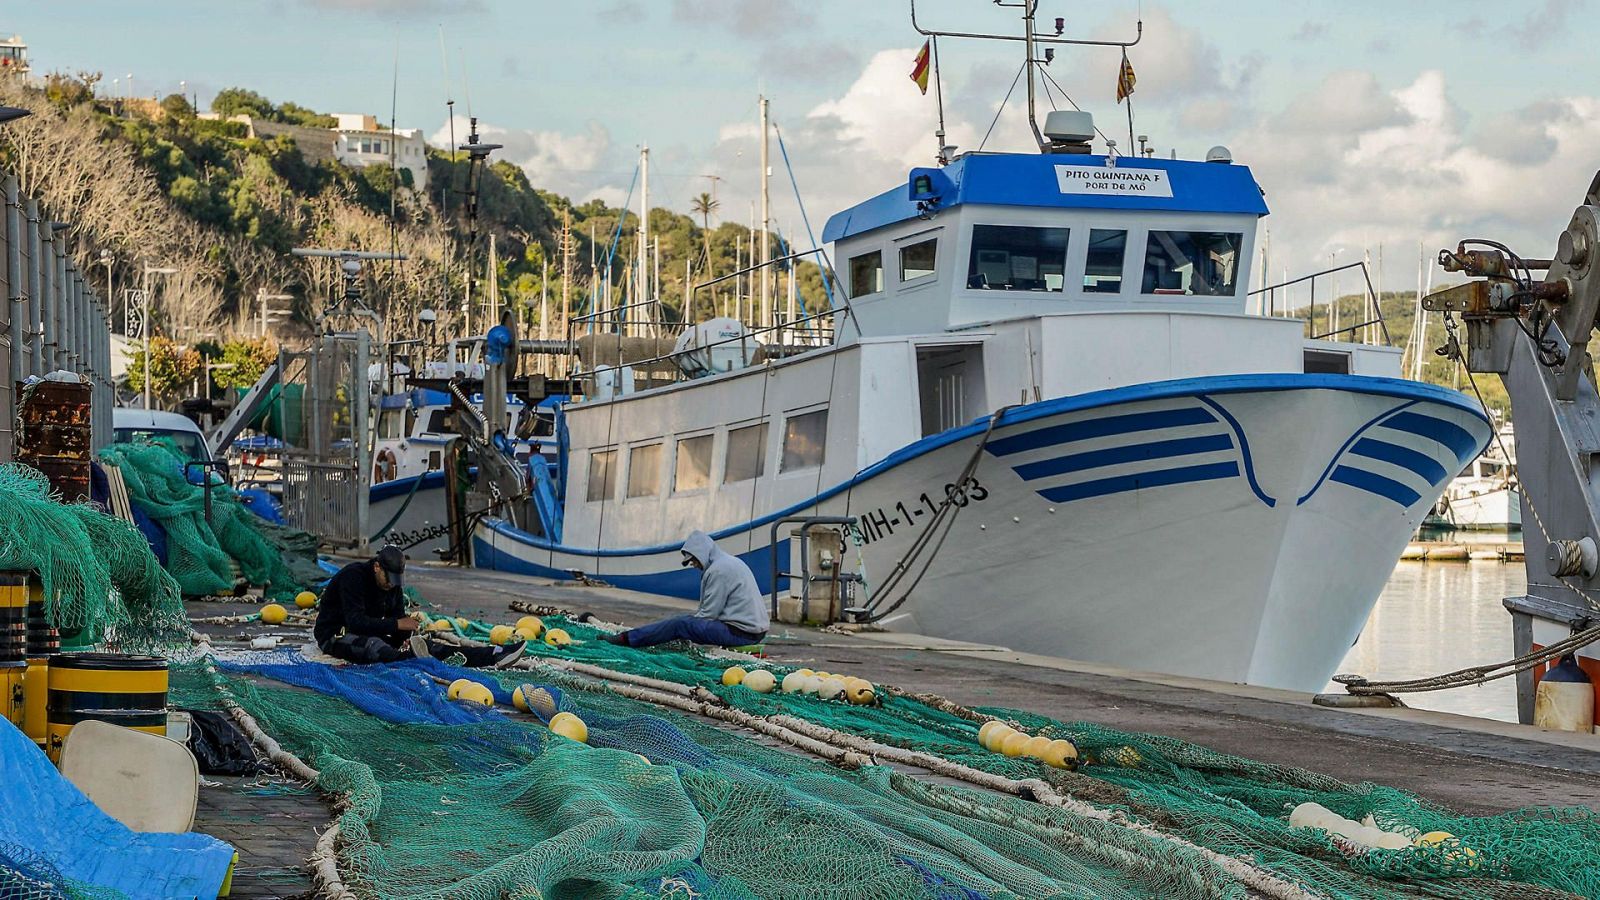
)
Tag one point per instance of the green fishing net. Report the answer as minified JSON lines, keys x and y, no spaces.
{"x":96,"y":571}
{"x":499,"y":807}
{"x":202,"y":555}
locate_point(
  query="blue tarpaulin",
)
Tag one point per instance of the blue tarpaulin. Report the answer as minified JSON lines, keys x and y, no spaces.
{"x":66,"y":835}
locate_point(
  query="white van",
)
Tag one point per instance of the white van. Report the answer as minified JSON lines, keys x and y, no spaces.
{"x":132,"y":425}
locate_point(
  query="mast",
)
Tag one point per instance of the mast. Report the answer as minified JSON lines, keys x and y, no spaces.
{"x":544,"y":302}
{"x":642,"y":286}
{"x":1030,"y":39}
{"x":1028,"y":7}
{"x":566,"y":266}
{"x":766,"y":222}
{"x":494,"y":285}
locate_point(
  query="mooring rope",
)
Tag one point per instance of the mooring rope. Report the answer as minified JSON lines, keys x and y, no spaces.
{"x":1474,"y":674}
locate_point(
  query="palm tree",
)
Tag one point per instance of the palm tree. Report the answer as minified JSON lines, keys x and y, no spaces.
{"x":705,"y":205}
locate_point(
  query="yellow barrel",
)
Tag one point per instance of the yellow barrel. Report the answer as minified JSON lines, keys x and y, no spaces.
{"x":44,"y":639}
{"x":130,"y":691}
{"x":11,"y":678}
{"x":13,"y":617}
{"x":35,"y":692}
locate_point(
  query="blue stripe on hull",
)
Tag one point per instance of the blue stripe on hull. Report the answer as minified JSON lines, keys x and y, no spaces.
{"x":1052,"y":435}
{"x":1404,"y":457}
{"x":679,"y":582}
{"x":1111,"y":456}
{"x":1464,"y":445}
{"x":1106,"y":486}
{"x":1372,"y":483}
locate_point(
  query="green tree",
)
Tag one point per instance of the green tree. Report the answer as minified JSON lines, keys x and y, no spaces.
{"x":249,"y":357}
{"x":177,"y":107}
{"x":233,"y":101}
{"x":173,"y":368}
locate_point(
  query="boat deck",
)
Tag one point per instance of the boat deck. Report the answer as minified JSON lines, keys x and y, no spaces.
{"x":1471,"y":765}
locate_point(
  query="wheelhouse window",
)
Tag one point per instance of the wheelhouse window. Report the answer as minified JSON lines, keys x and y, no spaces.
{"x":1198,"y":263}
{"x":747,"y":453}
{"x":866,"y":274}
{"x":602,"y":474}
{"x":916,"y":260}
{"x":805,"y":439}
{"x":391,"y":424}
{"x":692,"y":470}
{"x":1017,"y":258}
{"x":644,"y":470}
{"x":1102,"y":270}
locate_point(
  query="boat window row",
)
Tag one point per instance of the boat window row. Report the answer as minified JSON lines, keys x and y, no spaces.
{"x":744,"y":457}
{"x":1033,"y":258}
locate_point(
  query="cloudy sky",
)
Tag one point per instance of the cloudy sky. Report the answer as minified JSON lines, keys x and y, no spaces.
{"x":1367,"y":122}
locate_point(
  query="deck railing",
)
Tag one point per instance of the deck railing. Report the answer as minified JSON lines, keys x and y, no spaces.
{"x":1280,"y":300}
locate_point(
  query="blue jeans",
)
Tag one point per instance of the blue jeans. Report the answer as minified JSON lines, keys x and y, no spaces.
{"x":691,"y":628}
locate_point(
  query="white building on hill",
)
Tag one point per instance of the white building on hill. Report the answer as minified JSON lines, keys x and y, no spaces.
{"x":360,"y":141}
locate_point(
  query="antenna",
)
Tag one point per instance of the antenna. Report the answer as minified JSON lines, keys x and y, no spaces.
{"x":1030,"y":38}
{"x":351,"y":304}
{"x":394,"y":171}
{"x":477,"y":156}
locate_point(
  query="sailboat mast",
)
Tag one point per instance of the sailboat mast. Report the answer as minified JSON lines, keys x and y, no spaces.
{"x":766,"y":222}
{"x":494,"y":285}
{"x":642,"y":286}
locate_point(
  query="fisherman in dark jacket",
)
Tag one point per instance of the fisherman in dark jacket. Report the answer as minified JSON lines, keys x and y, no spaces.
{"x":362,"y":618}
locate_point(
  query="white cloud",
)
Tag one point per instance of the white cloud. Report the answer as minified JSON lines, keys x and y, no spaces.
{"x":1348,"y":166}
{"x":572,"y":164}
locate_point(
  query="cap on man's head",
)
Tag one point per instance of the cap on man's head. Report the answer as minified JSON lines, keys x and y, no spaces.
{"x":393,"y":562}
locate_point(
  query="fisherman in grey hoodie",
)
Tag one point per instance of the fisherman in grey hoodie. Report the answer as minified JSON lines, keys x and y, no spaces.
{"x":732,"y":611}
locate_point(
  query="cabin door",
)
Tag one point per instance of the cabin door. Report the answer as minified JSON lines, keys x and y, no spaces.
{"x":950,"y":386}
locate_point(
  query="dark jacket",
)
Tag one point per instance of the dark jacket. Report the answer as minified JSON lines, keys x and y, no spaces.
{"x":352,"y":602}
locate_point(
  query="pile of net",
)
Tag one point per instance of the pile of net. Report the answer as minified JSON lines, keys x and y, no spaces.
{"x":96,"y":570}
{"x":1225,"y":803}
{"x":450,"y":800}
{"x":201,"y":555}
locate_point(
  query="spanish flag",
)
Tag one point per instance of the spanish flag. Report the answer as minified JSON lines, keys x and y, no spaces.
{"x":1125,"y":80}
{"x":919,"y":73}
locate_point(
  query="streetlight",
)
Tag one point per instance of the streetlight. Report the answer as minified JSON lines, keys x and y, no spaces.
{"x":109,"y":259}
{"x":269,"y":315}
{"x":144,"y":324}
{"x":211,"y":369}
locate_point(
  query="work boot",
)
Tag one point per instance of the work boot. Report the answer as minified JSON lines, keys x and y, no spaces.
{"x":513,"y":653}
{"x":620,"y":638}
{"x":419,"y":647}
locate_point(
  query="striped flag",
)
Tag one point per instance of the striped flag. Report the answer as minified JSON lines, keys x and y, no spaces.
{"x":1125,"y":79}
{"x":919,"y":73}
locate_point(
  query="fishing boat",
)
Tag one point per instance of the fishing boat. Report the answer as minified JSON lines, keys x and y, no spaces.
{"x":1051,"y":416}
{"x":412,"y":447}
{"x":1485,"y":497}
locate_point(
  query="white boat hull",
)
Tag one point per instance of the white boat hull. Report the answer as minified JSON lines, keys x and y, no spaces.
{"x":1497,"y":510}
{"x":1237,"y":527}
{"x":411,"y":512}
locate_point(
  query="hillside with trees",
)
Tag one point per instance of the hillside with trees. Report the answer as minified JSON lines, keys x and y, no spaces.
{"x":156,"y":184}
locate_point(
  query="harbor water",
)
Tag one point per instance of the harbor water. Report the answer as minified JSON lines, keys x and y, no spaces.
{"x":1436,"y":617}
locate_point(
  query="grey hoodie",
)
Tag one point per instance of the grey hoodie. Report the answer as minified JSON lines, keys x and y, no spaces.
{"x":728,"y":588}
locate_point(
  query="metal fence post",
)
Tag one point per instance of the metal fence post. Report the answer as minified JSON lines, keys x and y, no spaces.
{"x":35,"y":290}
{"x":18,"y":310}
{"x":47,"y":312}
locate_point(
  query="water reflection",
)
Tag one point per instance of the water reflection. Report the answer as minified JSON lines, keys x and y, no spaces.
{"x":1439,"y":617}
